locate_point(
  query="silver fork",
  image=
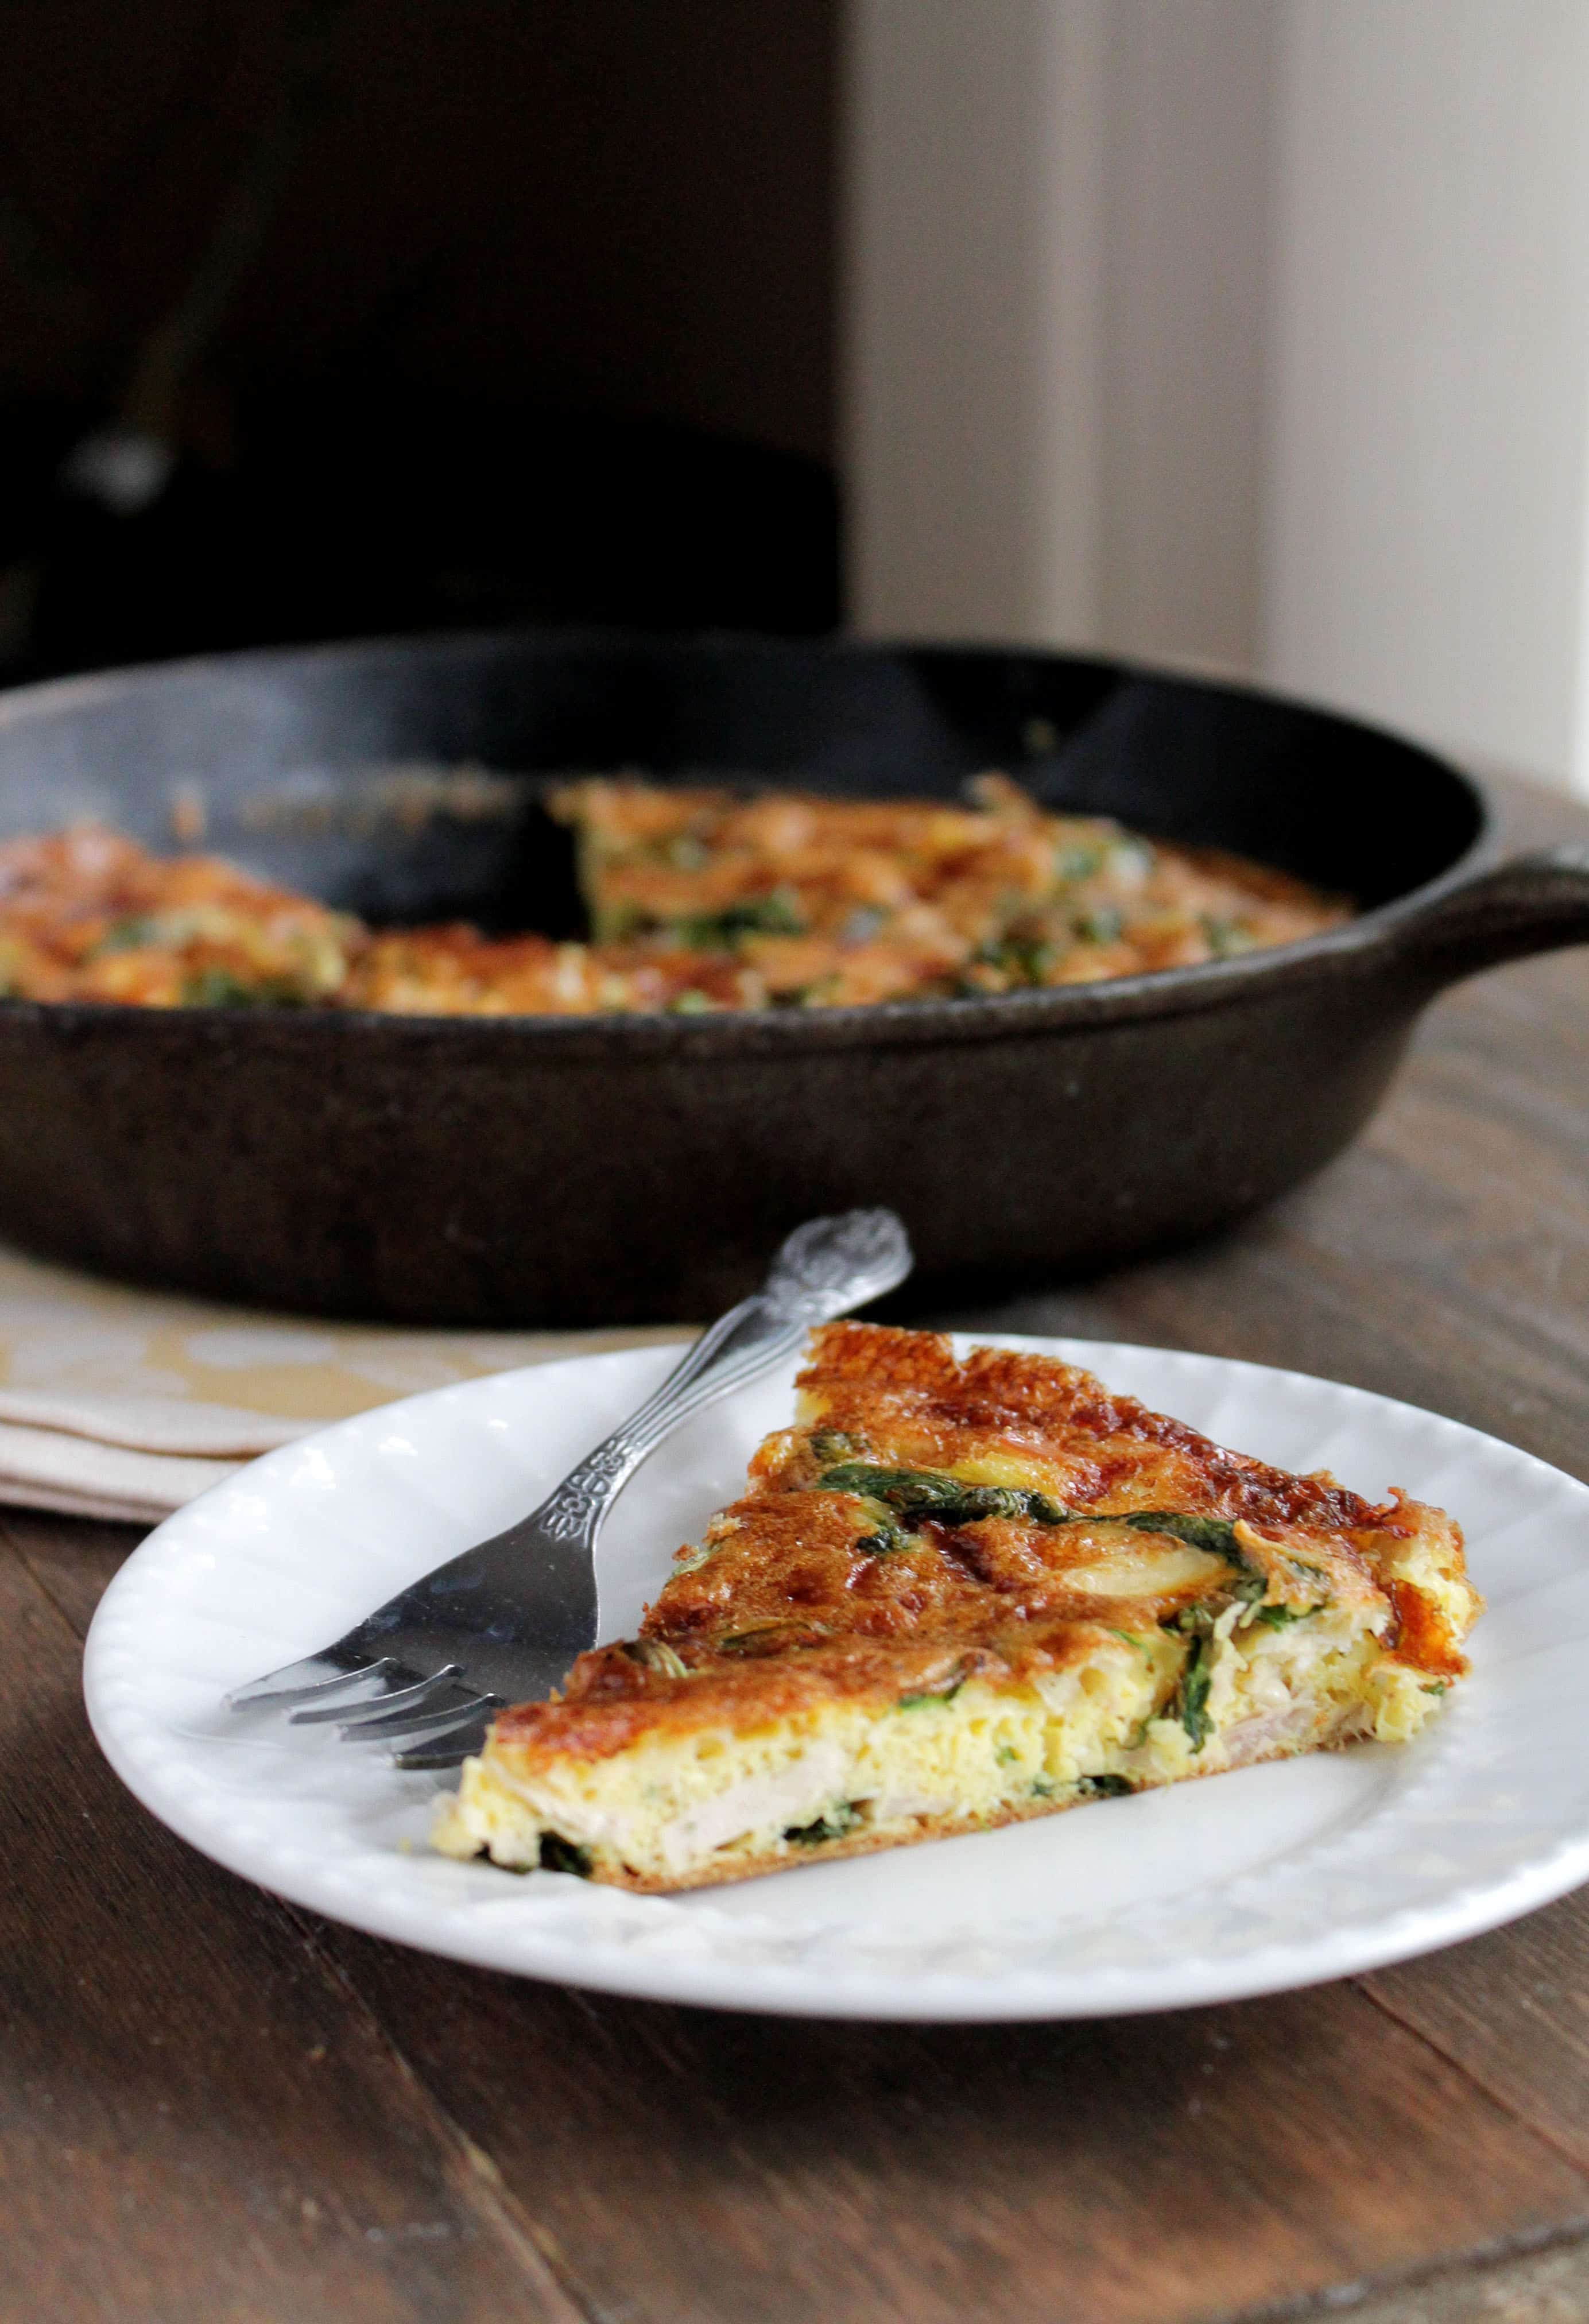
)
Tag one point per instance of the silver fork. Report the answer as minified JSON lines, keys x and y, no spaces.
{"x":501,"y":1622}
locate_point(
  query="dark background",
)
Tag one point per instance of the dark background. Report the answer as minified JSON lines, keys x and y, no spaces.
{"x":327,"y":316}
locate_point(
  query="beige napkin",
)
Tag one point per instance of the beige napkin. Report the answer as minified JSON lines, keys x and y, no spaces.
{"x":116,"y":1403}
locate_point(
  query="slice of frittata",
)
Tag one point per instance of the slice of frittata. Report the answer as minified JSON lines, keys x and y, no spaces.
{"x":833,"y":901}
{"x":958,"y":1593}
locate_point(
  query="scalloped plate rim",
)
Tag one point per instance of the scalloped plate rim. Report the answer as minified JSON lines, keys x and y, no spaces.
{"x":840,"y":1969}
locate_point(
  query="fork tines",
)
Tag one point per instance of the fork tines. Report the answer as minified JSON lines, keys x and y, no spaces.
{"x":405,"y":1703}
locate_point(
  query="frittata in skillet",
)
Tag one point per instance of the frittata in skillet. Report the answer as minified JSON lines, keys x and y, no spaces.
{"x":85,"y":914}
{"x":958,"y":1593}
{"x":826,"y":901}
{"x":699,"y":902}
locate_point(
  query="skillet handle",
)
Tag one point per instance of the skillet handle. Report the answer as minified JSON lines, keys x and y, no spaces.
{"x":1532,"y":903}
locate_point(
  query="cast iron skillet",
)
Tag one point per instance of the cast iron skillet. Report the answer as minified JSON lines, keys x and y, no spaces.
{"x":537,"y":1170}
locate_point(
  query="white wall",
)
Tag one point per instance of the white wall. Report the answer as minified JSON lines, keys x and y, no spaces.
{"x":1425,"y":533}
{"x":1188,"y":108}
{"x":1055,"y":274}
{"x":1252,"y":331}
{"x":969,"y":412}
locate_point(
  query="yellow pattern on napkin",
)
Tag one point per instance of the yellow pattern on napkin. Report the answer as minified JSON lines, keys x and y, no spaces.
{"x":121,"y":1402}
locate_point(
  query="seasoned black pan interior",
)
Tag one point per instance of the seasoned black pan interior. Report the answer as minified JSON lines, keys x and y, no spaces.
{"x":336,"y":770}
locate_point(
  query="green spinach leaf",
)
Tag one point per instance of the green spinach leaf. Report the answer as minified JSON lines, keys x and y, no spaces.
{"x":844,"y":1819}
{"x":777,"y":914}
{"x":560,"y":1855}
{"x":929,"y":1493}
{"x":1189,"y":1703}
{"x":944,"y":1693}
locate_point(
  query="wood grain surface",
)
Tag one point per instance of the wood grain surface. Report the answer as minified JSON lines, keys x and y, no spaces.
{"x":214,"y":2106}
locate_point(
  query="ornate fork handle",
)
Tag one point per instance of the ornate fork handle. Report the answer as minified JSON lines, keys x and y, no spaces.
{"x":824,"y":1268}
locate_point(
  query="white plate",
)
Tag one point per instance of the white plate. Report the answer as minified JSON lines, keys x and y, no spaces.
{"x":1271,"y":1877}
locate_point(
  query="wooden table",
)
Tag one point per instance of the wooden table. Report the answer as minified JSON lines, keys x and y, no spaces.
{"x":215,"y":2107}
